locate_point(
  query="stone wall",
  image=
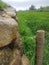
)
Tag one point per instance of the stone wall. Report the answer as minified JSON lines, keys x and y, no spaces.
{"x":11,"y":51}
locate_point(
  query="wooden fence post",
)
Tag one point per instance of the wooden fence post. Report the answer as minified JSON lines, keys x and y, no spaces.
{"x":39,"y":47}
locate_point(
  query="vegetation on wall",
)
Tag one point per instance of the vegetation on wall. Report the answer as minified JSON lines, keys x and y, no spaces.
{"x":2,"y":5}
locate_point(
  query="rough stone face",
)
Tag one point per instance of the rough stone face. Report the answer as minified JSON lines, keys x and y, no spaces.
{"x":8,"y":27}
{"x":10,"y":43}
{"x":10,"y":11}
{"x":25,"y":60}
{"x":9,"y":53}
{"x":9,"y":56}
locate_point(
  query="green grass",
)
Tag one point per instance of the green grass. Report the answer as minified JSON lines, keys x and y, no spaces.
{"x":2,"y":5}
{"x":29,"y":23}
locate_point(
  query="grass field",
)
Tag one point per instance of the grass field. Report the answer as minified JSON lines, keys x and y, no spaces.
{"x":29,"y":23}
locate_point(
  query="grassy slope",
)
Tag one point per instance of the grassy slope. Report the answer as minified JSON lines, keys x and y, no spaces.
{"x":29,"y":23}
{"x":2,"y":5}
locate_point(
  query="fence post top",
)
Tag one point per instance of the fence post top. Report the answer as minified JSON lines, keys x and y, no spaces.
{"x":40,"y":31}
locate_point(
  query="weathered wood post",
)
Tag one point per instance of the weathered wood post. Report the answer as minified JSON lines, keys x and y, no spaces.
{"x":39,"y":47}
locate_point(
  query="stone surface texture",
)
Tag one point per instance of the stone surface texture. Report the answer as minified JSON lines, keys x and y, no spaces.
{"x":8,"y":27}
{"x":10,"y":43}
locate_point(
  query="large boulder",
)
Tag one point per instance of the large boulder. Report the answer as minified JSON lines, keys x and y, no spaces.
{"x":8,"y":27}
{"x":9,"y":56}
{"x":10,"y":11}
